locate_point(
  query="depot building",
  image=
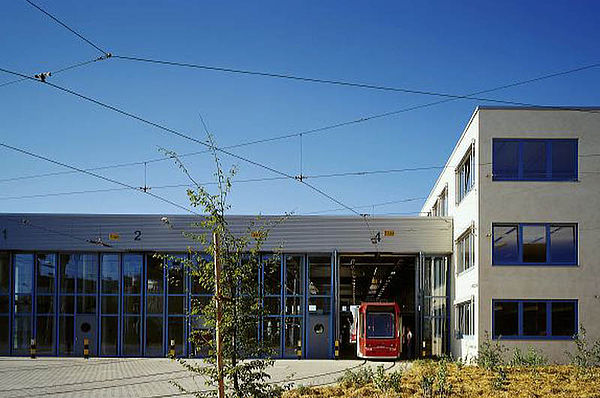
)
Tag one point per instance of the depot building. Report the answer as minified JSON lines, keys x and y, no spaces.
{"x":507,"y":249}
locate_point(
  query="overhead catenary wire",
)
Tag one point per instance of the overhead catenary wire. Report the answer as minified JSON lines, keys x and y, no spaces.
{"x":337,"y":82}
{"x":182,"y":135}
{"x":111,"y":180}
{"x":319,"y":129}
{"x":64,"y":25}
{"x":63,"y":69}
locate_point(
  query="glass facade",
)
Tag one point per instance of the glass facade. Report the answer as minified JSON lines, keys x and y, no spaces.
{"x":137,"y":304}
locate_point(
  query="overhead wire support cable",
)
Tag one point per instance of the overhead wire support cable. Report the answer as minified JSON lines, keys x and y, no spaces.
{"x":347,"y":83}
{"x":319,"y":129}
{"x":64,"y":25}
{"x":56,"y":162}
{"x":182,"y":135}
{"x":64,"y":69}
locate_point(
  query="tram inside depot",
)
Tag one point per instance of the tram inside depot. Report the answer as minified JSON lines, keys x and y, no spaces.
{"x":383,"y":280}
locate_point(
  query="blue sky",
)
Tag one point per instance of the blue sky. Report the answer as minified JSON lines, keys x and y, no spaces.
{"x":452,"y":47}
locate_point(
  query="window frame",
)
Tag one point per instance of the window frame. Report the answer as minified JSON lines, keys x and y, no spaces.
{"x":520,"y":160}
{"x":469,"y":236}
{"x":520,"y":335}
{"x":549,"y":262}
{"x":460,"y":327}
{"x":468,"y":158}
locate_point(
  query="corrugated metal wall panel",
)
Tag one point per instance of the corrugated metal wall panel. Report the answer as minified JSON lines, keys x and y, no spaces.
{"x":69,"y":232}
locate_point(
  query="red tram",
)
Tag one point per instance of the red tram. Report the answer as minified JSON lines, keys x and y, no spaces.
{"x":376,"y":330}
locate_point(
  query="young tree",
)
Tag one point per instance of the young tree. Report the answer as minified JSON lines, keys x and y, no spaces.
{"x":237,"y":310}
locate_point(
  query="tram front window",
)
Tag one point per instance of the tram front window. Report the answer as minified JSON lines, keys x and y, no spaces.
{"x":380,"y":324}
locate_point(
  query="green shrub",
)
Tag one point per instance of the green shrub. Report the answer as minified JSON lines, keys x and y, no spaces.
{"x":356,"y":379}
{"x":586,"y":354}
{"x":532,"y":357}
{"x":385,"y":382}
{"x":443,"y":386}
{"x":491,"y":354}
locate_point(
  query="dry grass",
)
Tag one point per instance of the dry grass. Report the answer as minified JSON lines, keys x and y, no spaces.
{"x":472,"y":381}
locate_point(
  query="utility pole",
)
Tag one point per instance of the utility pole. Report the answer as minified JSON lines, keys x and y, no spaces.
{"x":218,"y":303}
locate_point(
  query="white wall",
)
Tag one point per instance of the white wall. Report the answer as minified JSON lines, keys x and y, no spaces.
{"x":463,"y":286}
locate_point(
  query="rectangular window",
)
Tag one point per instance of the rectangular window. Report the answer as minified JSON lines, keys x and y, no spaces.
{"x":534,"y":319}
{"x":465,"y":325}
{"x":534,"y":159}
{"x":534,"y":244}
{"x":465,"y":251}
{"x":465,"y":176}
{"x":440,"y":208}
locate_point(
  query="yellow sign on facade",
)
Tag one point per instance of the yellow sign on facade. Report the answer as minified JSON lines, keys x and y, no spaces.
{"x":113,"y":236}
{"x":389,"y":232}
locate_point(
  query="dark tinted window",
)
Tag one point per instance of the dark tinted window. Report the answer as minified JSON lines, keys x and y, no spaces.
{"x":506,"y":318}
{"x":4,"y":273}
{"x":380,"y":324}
{"x":564,"y":160}
{"x":506,"y":159}
{"x":563,"y":319}
{"x":506,"y":248}
{"x":534,"y":160}
{"x":534,"y":318}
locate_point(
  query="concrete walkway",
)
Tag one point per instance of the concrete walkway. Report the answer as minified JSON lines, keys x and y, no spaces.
{"x":140,"y":377}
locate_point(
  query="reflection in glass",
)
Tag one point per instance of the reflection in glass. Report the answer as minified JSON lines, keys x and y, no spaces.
{"x":131,"y":305}
{"x":67,"y":273}
{"x":154,"y":305}
{"x":131,"y":335}
{"x":319,"y":275}
{"x":564,"y":160}
{"x":22,"y":303}
{"x":534,"y":159}
{"x":176,"y":332}
{"x":21,"y":334}
{"x":45,"y":305}
{"x":293,"y":275}
{"x":506,"y":248}
{"x":110,"y":335}
{"x":88,"y":273}
{"x":176,"y":278}
{"x":66,"y":335}
{"x":46,"y":273}
{"x":45,"y":335}
{"x":109,"y":273}
{"x":154,"y":336}
{"x":23,"y":273}
{"x":505,"y":159}
{"x":563,"y":246}
{"x":293,"y":336}
{"x":272,"y":335}
{"x":132,"y":273}
{"x":272,"y":275}
{"x":155,"y":273}
{"x":293,"y":306}
{"x":534,"y":243}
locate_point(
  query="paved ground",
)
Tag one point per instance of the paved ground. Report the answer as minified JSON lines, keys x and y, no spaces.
{"x":137,"y":377}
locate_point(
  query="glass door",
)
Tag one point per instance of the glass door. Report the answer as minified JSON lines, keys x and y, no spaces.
{"x":293,"y":306}
{"x":432,"y":306}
